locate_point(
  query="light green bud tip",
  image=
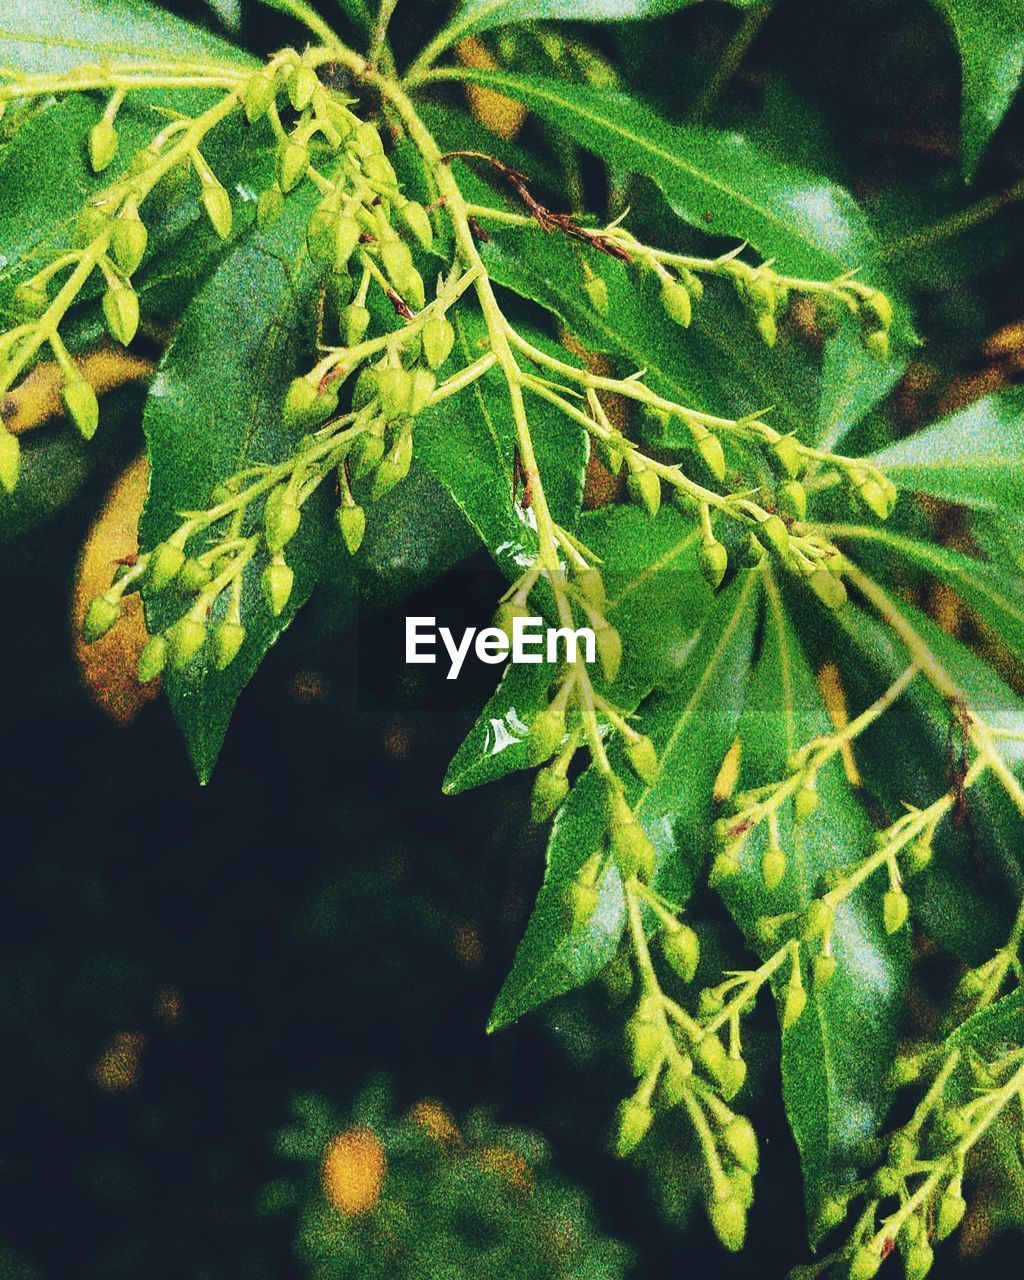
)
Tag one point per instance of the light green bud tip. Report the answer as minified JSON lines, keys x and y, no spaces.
{"x":10,"y":461}
{"x":354,"y":322}
{"x":713,"y":561}
{"x":546,"y":734}
{"x":292,"y":163}
{"x":775,"y":533}
{"x":217,"y":204}
{"x":259,"y":94}
{"x":352,"y":524}
{"x":645,"y":490}
{"x":438,"y":340}
{"x":952,"y":1208}
{"x":82,"y":406}
{"x":228,"y":639}
{"x":165,"y":564}
{"x":793,"y":499}
{"x":643,"y":758}
{"x":276,"y":583}
{"x":710,"y":449}
{"x":865,"y":1265}
{"x":681,"y":948}
{"x":550,"y":788}
{"x":416,"y":222}
{"x":677,"y":302}
{"x":128,"y":243}
{"x":281,"y":522}
{"x":152,"y":660}
{"x":302,"y":86}
{"x":121,"y":312}
{"x":102,"y":145}
{"x":773,"y":867}
{"x":634,"y":1120}
{"x":823,"y":969}
{"x":740,"y":1138}
{"x":728,"y":1220}
{"x":796,"y":1002}
{"x":102,"y":614}
{"x":828,"y":588}
{"x":632,"y":850}
{"x":919,"y":1260}
{"x":185,"y":639}
{"x":609,"y":650}
{"x":895,"y":908}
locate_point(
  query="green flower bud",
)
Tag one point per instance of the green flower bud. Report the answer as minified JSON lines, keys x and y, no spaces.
{"x":725,"y":865}
{"x":546,"y":734}
{"x":366,"y":140}
{"x":710,"y":449}
{"x":260,"y":92}
{"x":103,"y":142}
{"x":713,"y":561}
{"x":675,"y":298}
{"x":301,"y":87}
{"x":217,"y":204}
{"x":422,"y":385}
{"x":787,"y":450}
{"x":768,"y":329}
{"x":866,"y":1264}
{"x":394,"y":386}
{"x":30,"y":299}
{"x":415,"y":221}
{"x":634,"y":1119}
{"x":165,"y":563}
{"x":902,"y":1151}
{"x":394,"y":467}
{"x":642,"y":757}
{"x":609,"y":650}
{"x":580,"y":899}
{"x":753,"y":552}
{"x":645,"y":489}
{"x":269,"y":207}
{"x":367,"y":452}
{"x":228,"y":639}
{"x":796,"y":1002}
{"x":773,"y":867}
{"x":730,"y":1073}
{"x":675,"y":1083}
{"x":277,"y":582}
{"x":919,"y":1261}
{"x":281,"y":520}
{"x":741,"y":1140}
{"x":632,"y":850}
{"x":129,"y":240}
{"x":152,"y":659}
{"x":591,"y":586}
{"x":728,"y":1220}
{"x":301,"y":403}
{"x":886,"y":1182}
{"x":379,"y":172}
{"x":895,"y":908}
{"x":876,"y":344}
{"x":793,"y":499}
{"x":806,"y":800}
{"x":193,"y":576}
{"x":438,"y":340}
{"x":876,"y":311}
{"x":823,"y":968}
{"x":918,"y":854}
{"x":396,"y":259}
{"x":103,"y":613}
{"x":876,"y":497}
{"x":81,"y":403}
{"x":774,"y":532}
{"x":550,"y":788}
{"x":646,"y":1045}
{"x":817,"y":919}
{"x":952,"y":1208}
{"x":10,"y":460}
{"x":611,"y":457}
{"x":185,"y":639}
{"x":828,"y":588}
{"x":596,"y":288}
{"x":352,"y":524}
{"x":832,"y":1213}
{"x":742,"y":1186}
{"x":681,"y":949}
{"x":121,"y":312}
{"x":292,"y":164}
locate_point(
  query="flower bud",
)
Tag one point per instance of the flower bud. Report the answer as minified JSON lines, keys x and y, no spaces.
{"x":580,"y":899}
{"x":787,"y":450}
{"x":611,"y":458}
{"x":281,"y":520}
{"x":422,"y":385}
{"x":773,"y":531}
{"x":609,"y":650}
{"x":596,"y":288}
{"x":895,"y":908}
{"x":642,"y":757}
{"x":10,"y":460}
{"x":415,"y":221}
{"x":394,"y":386}
{"x":876,"y":344}
{"x":773,"y":867}
{"x":81,"y":403}
{"x":725,"y":865}
{"x":30,"y":299}
{"x":301,"y":87}
{"x":632,"y":850}
{"x":352,"y":524}
{"x":796,"y":1002}
{"x":645,"y":1040}
{"x":919,"y":1261}
{"x":876,"y":311}
{"x":185,"y":639}
{"x":546,"y":734}
{"x":129,"y":240}
{"x":228,"y":639}
{"x":832,"y":1213}
{"x":902,"y":1152}
{"x":952,"y":1208}
{"x":753,"y":552}
{"x":866,"y":1264}
{"x":823,"y":968}
{"x":438,"y":340}
{"x":217,"y":204}
{"x":917,"y":855}
{"x":90,"y":225}
{"x":367,"y":452}
{"x":886,"y":1182}
{"x":259,"y":93}
{"x":193,"y":576}
{"x":590,"y":584}
{"x":793,"y":499}
{"x":165,"y":563}
{"x":396,"y":259}
{"x":730,"y":1073}
{"x":152,"y":659}
{"x":828,"y":588}
{"x":550,"y":787}
{"x":675,"y":1083}
{"x":806,"y":800}
{"x":269,"y":207}
{"x":681,"y":949}
{"x":366,"y":140}
{"x":394,"y":467}
{"x":276,"y":583}
{"x":876,"y":497}
{"x":741,"y":1140}
{"x":300,"y":403}
{"x":354,"y":322}
{"x":710,"y":449}
{"x":713,"y":561}
{"x":103,"y":613}
{"x":728,"y":1220}
{"x":675,"y":298}
{"x":103,"y":142}
{"x":379,"y":172}
{"x":817,"y":919}
{"x":768,"y":329}
{"x":645,"y":489}
{"x":292,"y":164}
{"x":121,"y":312}
{"x":634,"y":1119}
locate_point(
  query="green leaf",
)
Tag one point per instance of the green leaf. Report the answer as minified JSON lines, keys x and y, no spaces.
{"x":852,"y":384}
{"x":63,"y":34}
{"x":656,"y":600}
{"x":712,"y":179}
{"x":214,"y":407}
{"x":691,"y":725}
{"x":835,"y":1057}
{"x":974,"y":458}
{"x":990,"y":37}
{"x":1002,"y":1022}
{"x":995,"y":593}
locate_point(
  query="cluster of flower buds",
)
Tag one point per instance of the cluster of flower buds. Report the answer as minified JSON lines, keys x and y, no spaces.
{"x":762,"y":292}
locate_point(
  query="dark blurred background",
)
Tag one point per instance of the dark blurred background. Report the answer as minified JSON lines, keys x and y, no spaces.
{"x":178,"y":962}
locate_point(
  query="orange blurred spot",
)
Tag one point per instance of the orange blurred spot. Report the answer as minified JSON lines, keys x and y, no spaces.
{"x":834,"y":696}
{"x":468,"y":946}
{"x":168,"y":1005}
{"x":725,"y":783}
{"x":435,"y":1121}
{"x":117,"y":1069}
{"x":501,"y":115}
{"x":509,"y":1166}
{"x":353,"y":1171}
{"x":308,"y":686}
